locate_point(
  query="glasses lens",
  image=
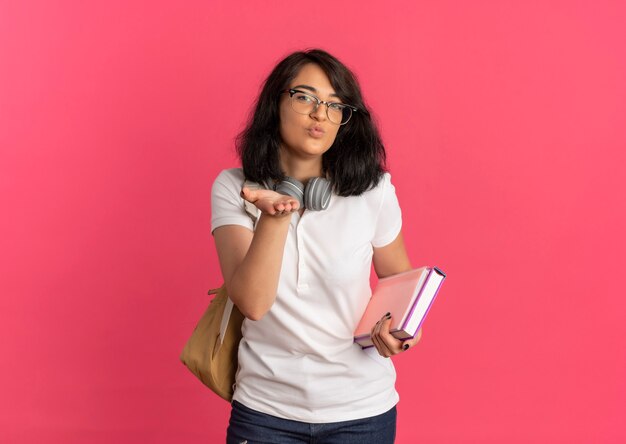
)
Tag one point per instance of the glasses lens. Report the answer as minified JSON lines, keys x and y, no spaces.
{"x":338,"y":113}
{"x":303,"y":103}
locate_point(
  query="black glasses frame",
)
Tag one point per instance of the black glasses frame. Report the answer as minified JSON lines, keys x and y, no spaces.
{"x":320,"y":102}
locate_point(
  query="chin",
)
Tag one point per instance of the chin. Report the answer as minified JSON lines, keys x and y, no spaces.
{"x":309,"y":148}
{"x":317,"y":148}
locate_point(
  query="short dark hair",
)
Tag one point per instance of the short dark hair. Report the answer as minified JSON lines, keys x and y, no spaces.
{"x":356,"y":160}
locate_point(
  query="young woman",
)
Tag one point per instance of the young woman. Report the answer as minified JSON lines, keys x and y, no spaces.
{"x":300,"y":275}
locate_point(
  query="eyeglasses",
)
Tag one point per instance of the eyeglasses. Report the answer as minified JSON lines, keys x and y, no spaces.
{"x":303,"y":103}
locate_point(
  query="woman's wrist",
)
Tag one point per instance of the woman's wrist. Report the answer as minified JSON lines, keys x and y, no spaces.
{"x":278,"y":218}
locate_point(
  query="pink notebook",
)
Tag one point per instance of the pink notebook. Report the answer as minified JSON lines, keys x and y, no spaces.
{"x":407,"y":296}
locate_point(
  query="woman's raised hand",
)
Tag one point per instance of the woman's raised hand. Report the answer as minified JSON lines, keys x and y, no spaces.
{"x":270,"y":202}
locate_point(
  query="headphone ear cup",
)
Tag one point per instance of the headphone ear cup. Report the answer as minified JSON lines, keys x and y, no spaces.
{"x":317,"y":194}
{"x":291,"y":187}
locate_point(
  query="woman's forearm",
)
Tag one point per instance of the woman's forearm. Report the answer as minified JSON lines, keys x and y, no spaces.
{"x":254,"y":282}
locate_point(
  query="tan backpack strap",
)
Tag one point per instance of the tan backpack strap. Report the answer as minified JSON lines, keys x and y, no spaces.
{"x":228,"y":308}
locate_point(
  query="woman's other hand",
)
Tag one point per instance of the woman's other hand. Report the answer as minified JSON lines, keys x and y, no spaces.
{"x":386,"y":344}
{"x":270,"y":202}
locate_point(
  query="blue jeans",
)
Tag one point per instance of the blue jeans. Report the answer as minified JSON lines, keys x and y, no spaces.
{"x":248,"y":426}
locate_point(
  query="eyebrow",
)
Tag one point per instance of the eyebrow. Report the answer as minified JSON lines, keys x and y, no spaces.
{"x":310,"y":88}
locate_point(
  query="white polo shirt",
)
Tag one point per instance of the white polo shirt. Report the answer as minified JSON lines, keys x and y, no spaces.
{"x":299,"y":361}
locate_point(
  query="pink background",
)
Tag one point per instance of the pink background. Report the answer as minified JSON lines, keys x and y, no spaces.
{"x":504,"y":123}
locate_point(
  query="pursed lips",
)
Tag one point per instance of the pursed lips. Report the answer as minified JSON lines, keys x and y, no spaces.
{"x":316,"y":132}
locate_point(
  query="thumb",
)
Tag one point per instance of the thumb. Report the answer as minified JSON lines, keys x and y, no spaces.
{"x":248,"y":194}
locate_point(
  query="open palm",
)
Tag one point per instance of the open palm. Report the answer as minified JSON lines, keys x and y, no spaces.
{"x":270,"y":202}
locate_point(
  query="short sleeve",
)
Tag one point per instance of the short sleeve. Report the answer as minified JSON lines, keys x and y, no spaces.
{"x":226,"y":203}
{"x":389,"y":219}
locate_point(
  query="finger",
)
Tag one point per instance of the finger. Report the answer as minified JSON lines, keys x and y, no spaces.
{"x":373,"y":329}
{"x":375,"y":339}
{"x":292,"y":205}
{"x":376,"y":328}
{"x":380,"y":348}
{"x":392,"y":344}
{"x":384,"y":348}
{"x":409,"y":343}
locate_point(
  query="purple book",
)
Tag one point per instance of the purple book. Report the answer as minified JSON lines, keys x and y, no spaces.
{"x":407,"y":296}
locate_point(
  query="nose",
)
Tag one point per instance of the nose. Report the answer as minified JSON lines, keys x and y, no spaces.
{"x":319,"y":112}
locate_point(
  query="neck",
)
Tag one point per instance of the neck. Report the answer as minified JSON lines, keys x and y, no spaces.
{"x":301,"y":169}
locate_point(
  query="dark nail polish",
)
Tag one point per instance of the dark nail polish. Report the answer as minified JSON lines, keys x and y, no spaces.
{"x":405,"y":347}
{"x":388,"y":315}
